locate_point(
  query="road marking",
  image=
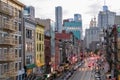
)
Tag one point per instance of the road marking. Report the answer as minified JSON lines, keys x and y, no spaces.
{"x":83,"y":75}
{"x":85,"y":69}
{"x":90,"y":76}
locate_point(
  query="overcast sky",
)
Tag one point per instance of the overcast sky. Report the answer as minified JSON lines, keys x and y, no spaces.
{"x":87,"y":8}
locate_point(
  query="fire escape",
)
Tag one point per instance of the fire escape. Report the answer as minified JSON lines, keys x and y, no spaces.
{"x":112,"y":50}
{"x":8,"y":41}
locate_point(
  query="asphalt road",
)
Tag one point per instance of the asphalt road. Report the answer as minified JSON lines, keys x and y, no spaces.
{"x":83,"y":73}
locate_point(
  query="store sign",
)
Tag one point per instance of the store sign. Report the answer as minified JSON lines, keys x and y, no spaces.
{"x":118,"y":29}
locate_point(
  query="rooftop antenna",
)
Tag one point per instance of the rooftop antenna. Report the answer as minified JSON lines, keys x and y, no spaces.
{"x":105,"y":7}
{"x":104,"y":2}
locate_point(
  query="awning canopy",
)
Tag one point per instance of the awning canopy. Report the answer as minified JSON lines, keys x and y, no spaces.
{"x":30,"y":66}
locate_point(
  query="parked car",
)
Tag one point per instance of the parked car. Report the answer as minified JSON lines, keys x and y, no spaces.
{"x":67,"y":75}
{"x":97,"y":75}
{"x":97,"y":78}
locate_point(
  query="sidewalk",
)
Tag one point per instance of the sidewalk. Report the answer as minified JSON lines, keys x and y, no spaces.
{"x":102,"y":74}
{"x":61,"y":77}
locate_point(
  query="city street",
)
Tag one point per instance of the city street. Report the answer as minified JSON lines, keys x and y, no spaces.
{"x":51,"y":40}
{"x":83,"y":73}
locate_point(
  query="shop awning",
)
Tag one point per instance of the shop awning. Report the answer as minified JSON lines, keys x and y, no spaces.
{"x":30,"y":66}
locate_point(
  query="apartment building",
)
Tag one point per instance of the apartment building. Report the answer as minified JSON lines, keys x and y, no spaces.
{"x":47,"y":53}
{"x":39,"y":40}
{"x":49,"y":30}
{"x":11,"y":66}
{"x":29,"y":45}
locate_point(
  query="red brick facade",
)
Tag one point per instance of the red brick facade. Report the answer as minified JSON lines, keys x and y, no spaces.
{"x":48,"y":54}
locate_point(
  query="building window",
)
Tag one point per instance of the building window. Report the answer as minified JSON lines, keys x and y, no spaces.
{"x":16,"y":66}
{"x":20,"y":40}
{"x":40,"y":37}
{"x":5,"y":50}
{"x":20,"y":53}
{"x":37,"y":56}
{"x":16,"y":24}
{"x":37,"y":35}
{"x":42,"y":47}
{"x":29,"y":59}
{"x":16,"y":53}
{"x":29,"y":34}
{"x":16,"y":12}
{"x":37,"y":47}
{"x":5,"y":68}
{"x":40,"y":57}
{"x":20,"y":77}
{"x":15,"y":37}
{"x":20,"y":14}
{"x":20,"y":27}
{"x":43,"y":37}
{"x":20,"y":65}
{"x":16,"y":77}
{"x":29,"y":46}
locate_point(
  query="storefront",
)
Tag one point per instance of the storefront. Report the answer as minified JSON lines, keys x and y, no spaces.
{"x":30,"y":68}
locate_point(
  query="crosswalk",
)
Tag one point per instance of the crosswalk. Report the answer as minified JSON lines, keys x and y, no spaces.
{"x":85,"y":69}
{"x":83,"y":73}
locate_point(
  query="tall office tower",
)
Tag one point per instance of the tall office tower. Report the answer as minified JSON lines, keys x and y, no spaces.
{"x":77,"y":17}
{"x":106,"y":18}
{"x":92,"y":37}
{"x":58,"y":19}
{"x":74,"y":26}
{"x":29,"y":12}
{"x":11,"y":50}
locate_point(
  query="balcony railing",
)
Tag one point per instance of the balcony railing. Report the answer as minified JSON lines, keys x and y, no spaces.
{"x":9,"y":73}
{"x":8,"y":26}
{"x":6,"y":9}
{"x":7,"y":57}
{"x":16,"y":14}
{"x":8,"y":41}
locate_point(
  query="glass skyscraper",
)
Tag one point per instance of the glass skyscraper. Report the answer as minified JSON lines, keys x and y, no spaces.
{"x":77,"y":17}
{"x":29,"y":12}
{"x":106,"y":18}
{"x":58,"y":19}
{"x":74,"y":26}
